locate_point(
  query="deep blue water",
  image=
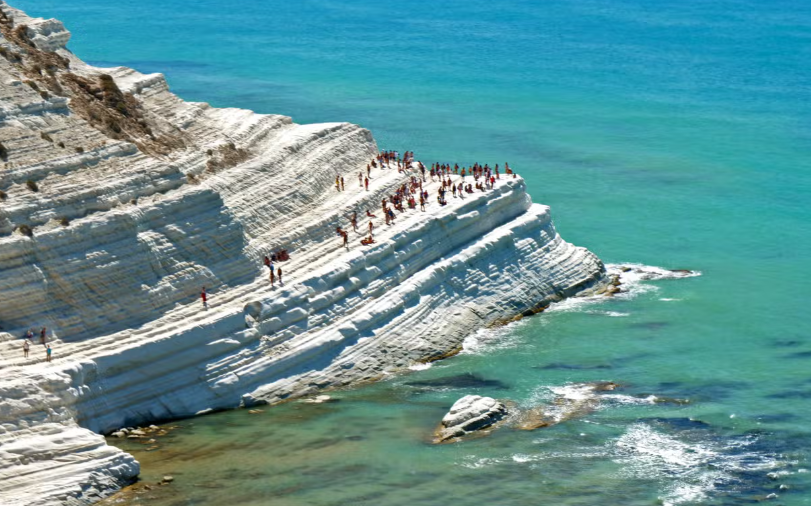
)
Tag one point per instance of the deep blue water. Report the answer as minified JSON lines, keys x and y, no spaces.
{"x":674,"y":134}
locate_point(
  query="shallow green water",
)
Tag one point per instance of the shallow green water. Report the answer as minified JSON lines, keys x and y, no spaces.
{"x":673,"y":134}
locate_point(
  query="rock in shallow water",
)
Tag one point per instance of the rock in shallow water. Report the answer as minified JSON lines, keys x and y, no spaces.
{"x":469,"y":414}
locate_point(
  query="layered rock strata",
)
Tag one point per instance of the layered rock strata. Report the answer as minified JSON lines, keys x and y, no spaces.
{"x":120,"y":201}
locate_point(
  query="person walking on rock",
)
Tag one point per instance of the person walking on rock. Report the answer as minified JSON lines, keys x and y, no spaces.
{"x":26,"y":348}
{"x":371,"y":227}
{"x":48,"y":353}
{"x":272,"y":274}
{"x":42,"y":334}
{"x":367,"y":184}
{"x":204,"y":298}
{"x":280,"y":277}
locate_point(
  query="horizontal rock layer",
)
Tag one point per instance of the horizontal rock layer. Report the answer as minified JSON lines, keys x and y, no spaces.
{"x":120,"y":201}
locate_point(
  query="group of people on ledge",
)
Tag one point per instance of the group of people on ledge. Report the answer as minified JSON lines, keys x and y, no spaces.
{"x":411,"y":193}
{"x":43,"y":340}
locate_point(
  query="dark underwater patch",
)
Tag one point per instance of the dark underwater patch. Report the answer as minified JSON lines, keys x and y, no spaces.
{"x":649,"y":325}
{"x":677,"y":423}
{"x":791,"y":394}
{"x":776,"y":418}
{"x":570,"y":367}
{"x":715,"y":391}
{"x":787,"y":343}
{"x":799,"y":354}
{"x":467,"y":380}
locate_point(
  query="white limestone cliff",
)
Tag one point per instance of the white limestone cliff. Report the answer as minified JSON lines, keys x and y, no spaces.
{"x":141,"y":199}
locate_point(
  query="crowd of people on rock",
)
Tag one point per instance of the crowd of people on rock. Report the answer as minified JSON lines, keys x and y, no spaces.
{"x":28,"y":340}
{"x":411,"y":193}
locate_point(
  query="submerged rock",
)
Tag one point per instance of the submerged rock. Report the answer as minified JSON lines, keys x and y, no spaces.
{"x":469,"y":414}
{"x":573,"y":401}
{"x":466,"y":380}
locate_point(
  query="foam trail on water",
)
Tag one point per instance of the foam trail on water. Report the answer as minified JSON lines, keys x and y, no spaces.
{"x":634,"y":279}
{"x":689,"y":469}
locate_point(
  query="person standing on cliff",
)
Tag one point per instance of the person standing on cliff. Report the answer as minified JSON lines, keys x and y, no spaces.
{"x":204,"y":298}
{"x":42,"y":334}
{"x":26,"y":348}
{"x":281,"y":283}
{"x":371,"y":227}
{"x":367,"y":184}
{"x":48,"y":353}
{"x":343,"y":187}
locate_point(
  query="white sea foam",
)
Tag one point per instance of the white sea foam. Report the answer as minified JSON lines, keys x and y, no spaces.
{"x":495,"y":338}
{"x":688,"y":471}
{"x":421,"y":367}
{"x":628,"y":399}
{"x":635,"y":280}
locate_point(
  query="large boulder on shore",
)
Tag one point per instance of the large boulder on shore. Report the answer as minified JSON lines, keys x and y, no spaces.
{"x":469,"y":414}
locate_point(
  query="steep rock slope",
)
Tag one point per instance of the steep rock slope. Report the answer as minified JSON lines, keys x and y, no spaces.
{"x":120,"y":201}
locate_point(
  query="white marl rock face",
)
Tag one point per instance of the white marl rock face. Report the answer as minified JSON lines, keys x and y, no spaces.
{"x":119,"y":285}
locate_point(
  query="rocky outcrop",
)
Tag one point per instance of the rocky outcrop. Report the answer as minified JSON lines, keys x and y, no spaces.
{"x":120,"y":202}
{"x":469,"y":414}
{"x":472,"y":413}
{"x":572,"y":401}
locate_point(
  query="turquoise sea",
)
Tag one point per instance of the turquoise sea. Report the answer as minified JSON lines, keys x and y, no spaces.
{"x":672,"y":134}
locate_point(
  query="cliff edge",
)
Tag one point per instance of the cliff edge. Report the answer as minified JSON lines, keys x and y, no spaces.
{"x":119,"y":201}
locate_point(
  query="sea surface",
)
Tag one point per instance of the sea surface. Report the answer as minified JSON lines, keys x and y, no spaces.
{"x":663,"y":133}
